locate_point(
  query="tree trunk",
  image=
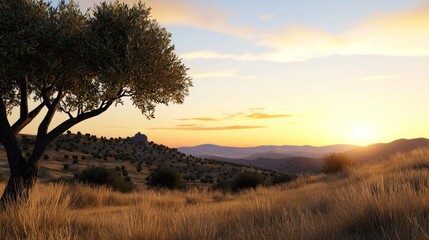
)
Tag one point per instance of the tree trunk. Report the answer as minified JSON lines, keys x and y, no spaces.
{"x":20,"y":184}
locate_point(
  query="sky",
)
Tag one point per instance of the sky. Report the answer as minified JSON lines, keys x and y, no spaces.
{"x":288,"y":73}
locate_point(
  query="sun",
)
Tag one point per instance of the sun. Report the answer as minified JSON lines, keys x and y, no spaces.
{"x":361,"y":134}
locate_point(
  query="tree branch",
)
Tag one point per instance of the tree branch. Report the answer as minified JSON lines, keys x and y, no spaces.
{"x":60,"y":129}
{"x":24,"y":100}
{"x":66,"y":111}
{"x":22,"y":122}
{"x":43,"y":127}
{"x":9,"y":141}
{"x":4,"y":123}
{"x":45,"y":96}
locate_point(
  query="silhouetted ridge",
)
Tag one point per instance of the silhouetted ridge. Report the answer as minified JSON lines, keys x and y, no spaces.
{"x":383,"y":150}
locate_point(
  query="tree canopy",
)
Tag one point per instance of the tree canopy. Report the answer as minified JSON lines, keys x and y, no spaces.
{"x":87,"y":61}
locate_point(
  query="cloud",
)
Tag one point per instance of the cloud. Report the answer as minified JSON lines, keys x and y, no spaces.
{"x":389,"y":34}
{"x":394,"y":34}
{"x":204,"y":128}
{"x":239,"y":116}
{"x":186,"y":125}
{"x":197,"y":14}
{"x":210,"y":54}
{"x":257,"y":109}
{"x":216,"y":74}
{"x":267,"y":116}
{"x":205,"y":119}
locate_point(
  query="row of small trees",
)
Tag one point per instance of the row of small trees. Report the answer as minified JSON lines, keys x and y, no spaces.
{"x":170,"y":178}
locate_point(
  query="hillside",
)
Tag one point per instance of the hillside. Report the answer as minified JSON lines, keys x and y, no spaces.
{"x":380,"y":151}
{"x":388,"y":200}
{"x":287,"y":159}
{"x":72,"y":153}
{"x":286,"y":165}
{"x":303,"y":159}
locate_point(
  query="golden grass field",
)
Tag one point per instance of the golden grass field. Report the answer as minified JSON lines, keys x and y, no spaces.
{"x":388,"y":200}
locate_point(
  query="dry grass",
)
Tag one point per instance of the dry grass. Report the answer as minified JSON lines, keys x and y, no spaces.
{"x":385,"y":201}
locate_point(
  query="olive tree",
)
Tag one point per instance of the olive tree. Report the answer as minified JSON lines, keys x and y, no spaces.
{"x":78,"y":64}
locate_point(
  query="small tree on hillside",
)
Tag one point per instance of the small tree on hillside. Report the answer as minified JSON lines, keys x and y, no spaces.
{"x":79,"y":65}
{"x":166,"y":177}
{"x":336,"y":162}
{"x":247,"y":180}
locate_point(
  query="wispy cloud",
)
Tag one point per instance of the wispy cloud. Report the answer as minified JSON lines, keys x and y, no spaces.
{"x":210,"y":54}
{"x":186,"y":125}
{"x":240,"y":116}
{"x":216,"y":74}
{"x":389,"y":34}
{"x":205,"y":128}
{"x":205,"y":119}
{"x":205,"y":15}
{"x":267,"y":116}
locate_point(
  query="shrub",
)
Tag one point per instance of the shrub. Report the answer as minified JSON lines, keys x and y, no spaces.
{"x":222,"y":185}
{"x":247,"y":180}
{"x":139,"y":167}
{"x":335,"y":162}
{"x":65,"y":166}
{"x":103,"y":176}
{"x":166,"y":177}
{"x":278,"y":179}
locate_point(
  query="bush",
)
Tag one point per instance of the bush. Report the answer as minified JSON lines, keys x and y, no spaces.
{"x":166,"y":177}
{"x":139,"y":167}
{"x":335,"y":162}
{"x":103,"y":176}
{"x":75,"y":159}
{"x":247,"y":180}
{"x":222,"y":185}
{"x":279,"y":179}
{"x":65,"y":166}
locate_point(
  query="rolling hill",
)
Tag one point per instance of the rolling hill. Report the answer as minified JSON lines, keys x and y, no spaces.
{"x":302,"y":159}
{"x":72,"y":153}
{"x":379,"y":151}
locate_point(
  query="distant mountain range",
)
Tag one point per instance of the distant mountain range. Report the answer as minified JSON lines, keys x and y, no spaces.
{"x":301,"y":159}
{"x":271,"y":152}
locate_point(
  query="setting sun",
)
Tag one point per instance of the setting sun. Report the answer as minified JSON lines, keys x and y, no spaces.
{"x":361,"y":133}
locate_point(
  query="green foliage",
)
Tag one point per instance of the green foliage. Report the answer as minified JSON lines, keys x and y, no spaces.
{"x":113,"y":50}
{"x":166,"y":177}
{"x":65,"y":166}
{"x":247,"y":180}
{"x":335,"y":162}
{"x":103,"y":176}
